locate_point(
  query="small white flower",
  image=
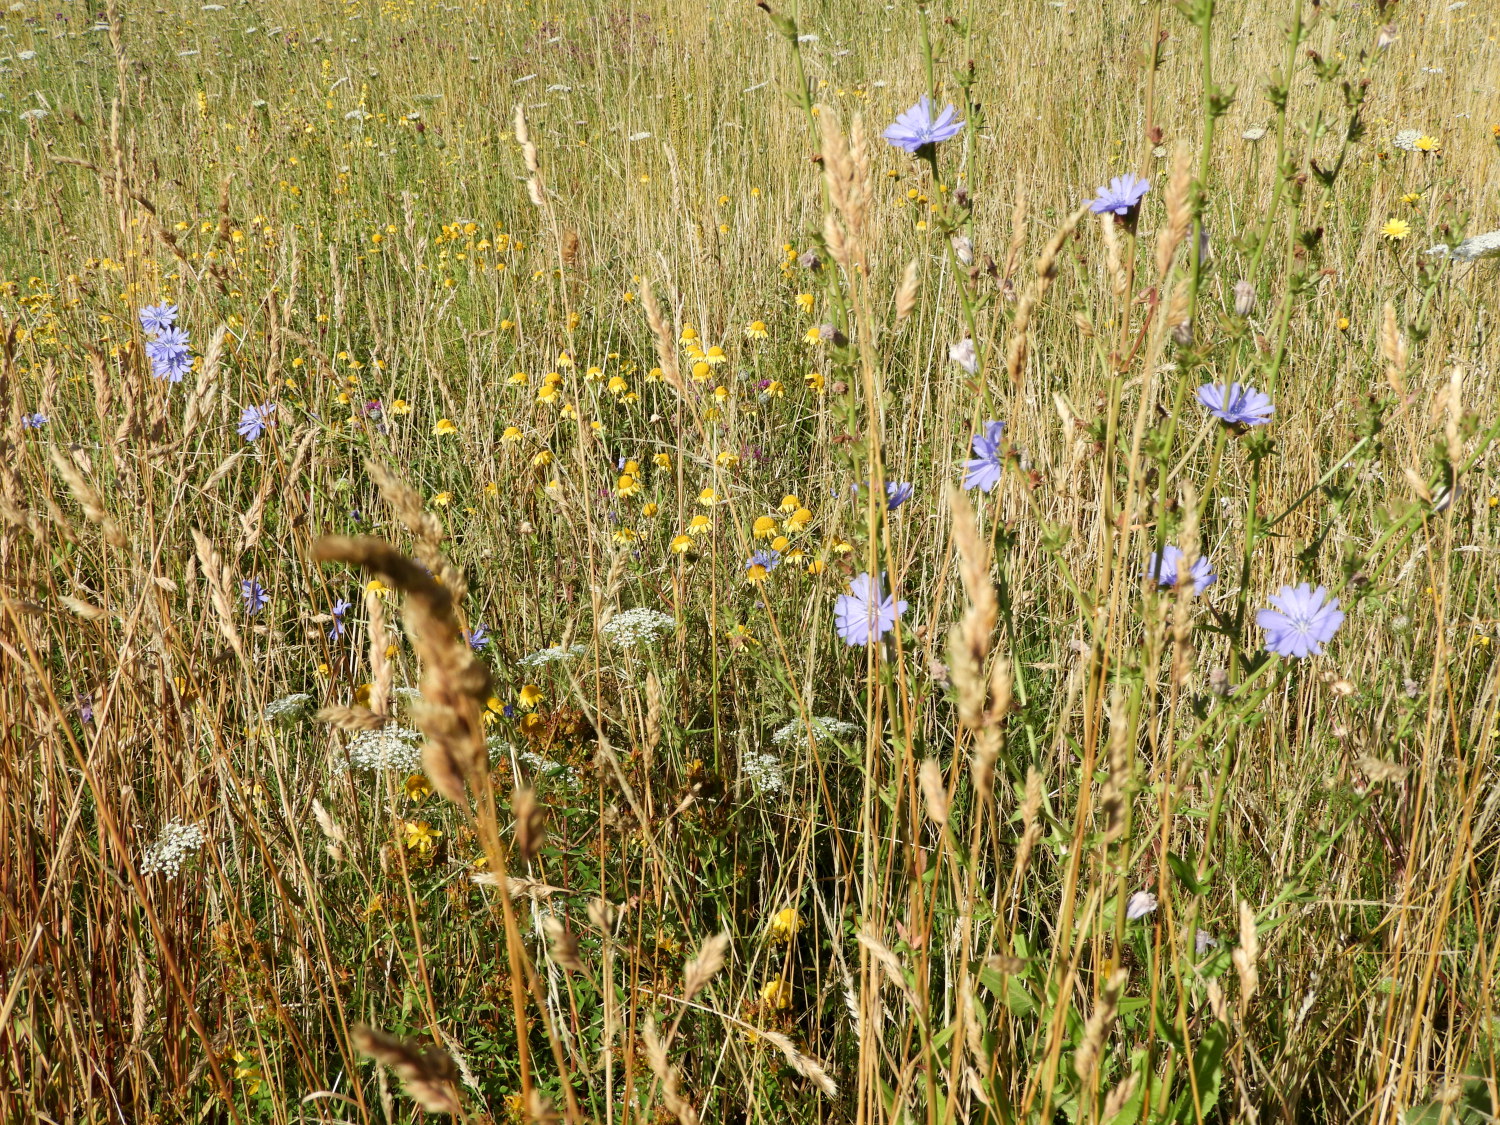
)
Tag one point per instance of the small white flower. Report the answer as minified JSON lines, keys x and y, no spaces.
{"x":176,"y":842}
{"x":823,"y":727}
{"x":292,"y":704}
{"x":636,"y":626}
{"x":1406,"y":140}
{"x":25,"y":56}
{"x":764,"y":772}
{"x":551,"y":655}
{"x":389,"y":748}
{"x":1141,"y":903}
{"x":963,"y":354}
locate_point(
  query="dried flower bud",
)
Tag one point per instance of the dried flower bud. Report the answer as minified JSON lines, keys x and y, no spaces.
{"x":1244,"y":297}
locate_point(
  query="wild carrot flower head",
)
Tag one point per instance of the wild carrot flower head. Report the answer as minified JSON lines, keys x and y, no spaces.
{"x":1121,"y":197}
{"x":1236,"y":404}
{"x":1166,"y":566}
{"x":1303,"y":621}
{"x":863,"y":616}
{"x":916,"y":128}
{"x":985,"y":467}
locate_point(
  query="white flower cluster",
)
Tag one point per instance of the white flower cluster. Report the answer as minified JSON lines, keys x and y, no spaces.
{"x":389,"y":748}
{"x":551,"y":655}
{"x":293,"y":704}
{"x":1406,"y":140}
{"x":764,"y":772}
{"x":175,"y":843}
{"x":634,"y":626}
{"x":823,"y":727}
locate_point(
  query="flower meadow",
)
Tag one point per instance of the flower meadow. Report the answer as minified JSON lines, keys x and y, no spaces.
{"x":816,"y":563}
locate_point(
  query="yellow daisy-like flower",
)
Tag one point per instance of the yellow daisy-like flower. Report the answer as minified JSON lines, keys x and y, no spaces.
{"x":815,"y":381}
{"x":774,"y":389}
{"x":655,"y":375}
{"x":626,"y":536}
{"x":1343,"y":324}
{"x":816,"y":567}
{"x":552,"y":378}
{"x":721,"y":394}
{"x":689,"y":334}
{"x":715,"y":356}
{"x":1425,"y":143}
{"x":400,"y":406}
{"x":494,"y":705}
{"x":756,"y":330}
{"x":693,"y":351}
{"x":564,"y":359}
{"x":593,"y":374}
{"x":708,"y":498}
{"x":764,"y":527}
{"x":492,"y":489}
{"x":421,"y":837}
{"x":805,"y":302}
{"x":662,"y":460}
{"x":443,"y":427}
{"x":374,"y":906}
{"x":511,"y":434}
{"x":628,"y":485}
{"x":780,"y":543}
{"x":548,"y":394}
{"x":700,"y":525}
{"x":727,"y":460}
{"x":1396,"y":229}
{"x":1412,"y":197}
{"x":617,"y":385}
{"x":789,"y":503}
{"x":542,"y":458}
{"x":813,"y":335}
{"x":632,"y":467}
{"x":785,"y":924}
{"x":701,"y":372}
{"x":739,"y":636}
{"x":418,"y":788}
{"x":756,"y":573}
{"x":529,"y":696}
{"x":649,"y":510}
{"x":681,"y":544}
{"x":443,"y":499}
{"x":519,"y":379}
{"x":569,"y":412}
{"x":378,"y":588}
{"x":840,"y":546}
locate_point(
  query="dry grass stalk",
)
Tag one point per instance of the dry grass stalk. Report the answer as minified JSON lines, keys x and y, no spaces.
{"x":531,"y":819}
{"x":906,"y":295}
{"x":934,"y":791}
{"x":381,"y":671}
{"x":454,"y":683}
{"x":1114,"y":799}
{"x":218,"y":591}
{"x":1046,"y":270}
{"x":562,"y":944}
{"x":1182,"y":608}
{"x":701,"y":969}
{"x":654,"y":711}
{"x":206,"y":390}
{"x":666,"y":1074}
{"x":1179,"y":203}
{"x":661,"y":332}
{"x":1114,"y":263}
{"x":1096,"y":1030}
{"x":427,"y":1073}
{"x":1245,"y":956}
{"x":351,"y":718}
{"x":88,"y":498}
{"x":1393,"y":350}
{"x":808,"y":1067}
{"x":1031,"y":828}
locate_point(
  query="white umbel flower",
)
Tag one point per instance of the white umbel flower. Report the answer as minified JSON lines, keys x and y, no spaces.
{"x":175,"y":843}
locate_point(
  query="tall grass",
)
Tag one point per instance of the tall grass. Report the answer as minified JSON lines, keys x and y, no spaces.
{"x":533,"y":791}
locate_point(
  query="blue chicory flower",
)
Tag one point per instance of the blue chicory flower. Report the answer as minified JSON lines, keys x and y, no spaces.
{"x":1236,"y":404}
{"x":1303,"y":621}
{"x":1121,"y":197}
{"x":480,"y":637}
{"x":255,"y":421}
{"x":254,"y":595}
{"x":1164,"y":567}
{"x":916,"y":128}
{"x":336,"y":630}
{"x":862,"y":616}
{"x":985,"y":467}
{"x":158,"y":318}
{"x":34,"y":421}
{"x":766,"y":558}
{"x":897,"y":492}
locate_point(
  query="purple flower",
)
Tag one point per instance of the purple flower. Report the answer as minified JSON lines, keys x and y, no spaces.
{"x":985,"y":467}
{"x":256,"y":420}
{"x":167,"y":339}
{"x":768,"y":559}
{"x":916,"y":129}
{"x":862,"y":616}
{"x":336,"y":630}
{"x":158,"y":318}
{"x":1303,"y":621}
{"x":86,"y":707}
{"x":1164,"y":568}
{"x":254,"y":594}
{"x":1236,"y":405}
{"x":480,"y":637}
{"x":34,"y":421}
{"x":1122,"y":197}
{"x":170,"y":362}
{"x":897,"y":492}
